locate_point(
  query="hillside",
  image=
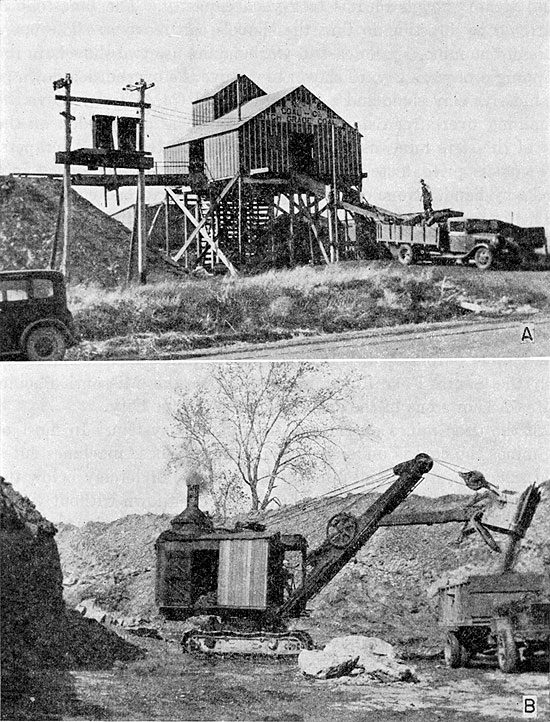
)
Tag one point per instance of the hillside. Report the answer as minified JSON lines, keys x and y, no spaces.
{"x":28,"y":216}
{"x":385,"y":592}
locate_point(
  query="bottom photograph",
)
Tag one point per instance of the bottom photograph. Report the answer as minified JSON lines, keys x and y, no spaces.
{"x":275,"y":541}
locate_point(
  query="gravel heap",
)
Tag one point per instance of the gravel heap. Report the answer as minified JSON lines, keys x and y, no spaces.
{"x":28,"y":215}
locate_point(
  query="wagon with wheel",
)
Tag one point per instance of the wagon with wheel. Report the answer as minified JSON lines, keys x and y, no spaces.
{"x":506,"y":614}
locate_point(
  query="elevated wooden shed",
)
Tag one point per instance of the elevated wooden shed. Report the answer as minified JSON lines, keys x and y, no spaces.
{"x":273,"y":134}
{"x":264,"y":179}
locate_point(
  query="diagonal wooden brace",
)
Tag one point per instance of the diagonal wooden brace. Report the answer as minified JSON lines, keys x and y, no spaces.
{"x":311,"y":222}
{"x":200,"y":227}
{"x":223,"y":258}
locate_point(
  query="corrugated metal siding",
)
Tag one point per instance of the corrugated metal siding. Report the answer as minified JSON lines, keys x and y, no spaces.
{"x":176,"y":159}
{"x":242,"y":577}
{"x":221,"y":155}
{"x":203,"y":111}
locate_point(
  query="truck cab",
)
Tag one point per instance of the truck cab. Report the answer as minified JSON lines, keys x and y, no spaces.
{"x":482,"y":241}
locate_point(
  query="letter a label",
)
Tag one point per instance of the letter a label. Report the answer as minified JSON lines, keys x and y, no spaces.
{"x":528,"y":334}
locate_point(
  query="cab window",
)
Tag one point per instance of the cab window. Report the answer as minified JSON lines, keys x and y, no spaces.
{"x":13,"y":290}
{"x":42,"y":288}
{"x":456,"y":226}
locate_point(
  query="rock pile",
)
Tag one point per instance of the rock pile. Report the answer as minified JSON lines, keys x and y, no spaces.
{"x":38,"y":633}
{"x":28,"y":215}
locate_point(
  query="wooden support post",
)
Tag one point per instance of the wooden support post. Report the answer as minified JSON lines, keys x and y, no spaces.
{"x":271,"y":208}
{"x":67,"y":179}
{"x":58,"y":225}
{"x":240,"y":218}
{"x":330,"y":229}
{"x":141,"y":86}
{"x":334,"y":195}
{"x":132,"y":255}
{"x":310,"y":234}
{"x":166,"y":223}
{"x":291,"y":229}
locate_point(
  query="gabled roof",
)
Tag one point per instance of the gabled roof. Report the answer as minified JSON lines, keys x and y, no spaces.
{"x":231,"y":121}
{"x":221,"y":86}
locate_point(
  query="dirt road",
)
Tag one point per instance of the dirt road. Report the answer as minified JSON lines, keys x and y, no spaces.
{"x":171,"y":686}
{"x":483,"y":339}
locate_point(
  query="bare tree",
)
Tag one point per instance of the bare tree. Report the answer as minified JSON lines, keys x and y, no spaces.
{"x":250,"y":427}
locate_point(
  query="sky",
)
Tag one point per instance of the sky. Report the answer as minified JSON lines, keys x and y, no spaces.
{"x":88,"y":441}
{"x":453,"y":91}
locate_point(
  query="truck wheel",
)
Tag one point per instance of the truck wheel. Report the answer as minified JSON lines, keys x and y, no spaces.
{"x":483,"y":258}
{"x":507,"y":651}
{"x":45,"y":343}
{"x":406,"y":254}
{"x":456,"y":655}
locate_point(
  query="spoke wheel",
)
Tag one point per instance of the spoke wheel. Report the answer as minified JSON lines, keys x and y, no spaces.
{"x":405,"y":254}
{"x":45,"y":343}
{"x":483,"y":258}
{"x":507,"y":651}
{"x":456,"y":655}
{"x":341,"y":530}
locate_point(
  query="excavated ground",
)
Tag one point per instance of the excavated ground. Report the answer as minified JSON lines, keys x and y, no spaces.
{"x":169,"y":685}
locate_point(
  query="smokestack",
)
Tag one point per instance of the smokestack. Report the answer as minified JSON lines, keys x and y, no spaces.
{"x":193,"y":496}
{"x":192,"y":521}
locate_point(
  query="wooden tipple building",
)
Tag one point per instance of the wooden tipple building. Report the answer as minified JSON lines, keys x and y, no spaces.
{"x":267,"y":177}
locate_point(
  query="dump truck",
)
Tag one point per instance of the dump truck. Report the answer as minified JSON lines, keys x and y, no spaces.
{"x":483,"y":242}
{"x":233,"y":585}
{"x":507,"y":613}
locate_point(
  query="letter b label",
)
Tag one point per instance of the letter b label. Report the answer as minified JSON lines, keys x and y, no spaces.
{"x":529,"y":706}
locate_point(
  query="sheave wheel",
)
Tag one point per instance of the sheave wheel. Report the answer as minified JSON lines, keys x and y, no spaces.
{"x":45,"y":343}
{"x":405,"y":254}
{"x":483,"y":258}
{"x":456,"y":655}
{"x":341,"y":529}
{"x":507,"y":651}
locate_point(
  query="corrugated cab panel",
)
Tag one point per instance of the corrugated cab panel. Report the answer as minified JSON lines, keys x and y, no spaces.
{"x":242,"y":577}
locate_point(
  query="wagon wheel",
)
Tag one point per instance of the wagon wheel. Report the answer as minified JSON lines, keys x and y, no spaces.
{"x":507,"y":651}
{"x":405,"y":254}
{"x":483,"y":258}
{"x":455,"y":653}
{"x":341,"y":529}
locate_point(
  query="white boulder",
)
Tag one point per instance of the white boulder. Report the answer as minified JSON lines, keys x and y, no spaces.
{"x":355,"y":653}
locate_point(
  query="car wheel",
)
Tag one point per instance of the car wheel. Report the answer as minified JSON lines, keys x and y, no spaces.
{"x":405,"y":254}
{"x":507,"y":651}
{"x":455,"y":654}
{"x":483,"y":258}
{"x":45,"y":343}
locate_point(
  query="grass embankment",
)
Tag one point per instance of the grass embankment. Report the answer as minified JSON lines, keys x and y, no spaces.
{"x":177,"y":315}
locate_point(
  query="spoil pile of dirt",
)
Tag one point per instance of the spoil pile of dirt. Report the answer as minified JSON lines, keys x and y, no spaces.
{"x":383,"y":593}
{"x":38,"y":633}
{"x":28,"y":215}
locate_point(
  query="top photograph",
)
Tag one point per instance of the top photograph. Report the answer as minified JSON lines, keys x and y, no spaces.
{"x":274,"y":180}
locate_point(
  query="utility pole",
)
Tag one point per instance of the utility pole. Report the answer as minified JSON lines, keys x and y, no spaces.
{"x":66,"y":83}
{"x":141,"y":86}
